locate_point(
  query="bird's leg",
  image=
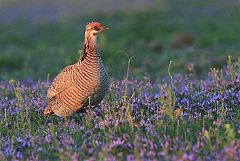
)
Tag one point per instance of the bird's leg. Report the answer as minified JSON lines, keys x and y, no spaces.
{"x":89,"y":100}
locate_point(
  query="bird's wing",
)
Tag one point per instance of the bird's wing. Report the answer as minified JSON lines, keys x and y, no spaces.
{"x":62,"y":82}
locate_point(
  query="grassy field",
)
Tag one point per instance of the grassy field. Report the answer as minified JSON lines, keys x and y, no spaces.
{"x":180,"y":102}
{"x":153,"y":37}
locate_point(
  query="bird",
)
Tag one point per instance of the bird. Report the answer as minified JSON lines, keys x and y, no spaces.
{"x":81,"y":84}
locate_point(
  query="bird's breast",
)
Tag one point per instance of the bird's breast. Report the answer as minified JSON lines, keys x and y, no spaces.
{"x":94,"y":81}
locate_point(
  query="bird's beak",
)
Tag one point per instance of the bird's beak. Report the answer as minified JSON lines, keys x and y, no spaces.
{"x":104,"y":28}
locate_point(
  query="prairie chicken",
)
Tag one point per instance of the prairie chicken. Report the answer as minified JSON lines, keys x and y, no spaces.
{"x":81,"y":84}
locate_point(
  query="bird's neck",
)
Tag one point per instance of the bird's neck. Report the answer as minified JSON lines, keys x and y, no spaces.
{"x":89,"y":37}
{"x":90,"y":48}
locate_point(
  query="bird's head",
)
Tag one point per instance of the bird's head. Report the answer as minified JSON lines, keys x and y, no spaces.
{"x":94,"y":28}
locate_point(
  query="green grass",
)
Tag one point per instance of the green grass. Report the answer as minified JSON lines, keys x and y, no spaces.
{"x":36,"y":50}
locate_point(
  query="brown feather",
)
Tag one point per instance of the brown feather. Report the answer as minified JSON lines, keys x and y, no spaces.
{"x":79,"y":84}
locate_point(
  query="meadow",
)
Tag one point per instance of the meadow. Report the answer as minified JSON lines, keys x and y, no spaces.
{"x":177,"y":98}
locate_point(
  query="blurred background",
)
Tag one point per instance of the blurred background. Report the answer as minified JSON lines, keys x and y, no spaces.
{"x":39,"y":38}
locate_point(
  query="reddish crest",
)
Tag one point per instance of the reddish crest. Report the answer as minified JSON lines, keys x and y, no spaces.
{"x":93,"y":24}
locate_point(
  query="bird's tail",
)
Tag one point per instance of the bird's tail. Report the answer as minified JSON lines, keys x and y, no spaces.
{"x":48,"y":110}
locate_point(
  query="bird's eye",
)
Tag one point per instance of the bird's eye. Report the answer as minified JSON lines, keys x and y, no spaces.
{"x":95,"y":28}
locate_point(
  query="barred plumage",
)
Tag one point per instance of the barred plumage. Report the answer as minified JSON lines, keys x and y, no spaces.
{"x":80,"y":84}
